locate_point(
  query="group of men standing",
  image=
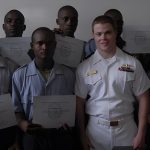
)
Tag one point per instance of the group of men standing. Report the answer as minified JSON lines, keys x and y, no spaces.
{"x":107,"y":84}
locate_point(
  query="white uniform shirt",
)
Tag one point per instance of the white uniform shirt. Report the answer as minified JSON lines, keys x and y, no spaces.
{"x":111,"y":90}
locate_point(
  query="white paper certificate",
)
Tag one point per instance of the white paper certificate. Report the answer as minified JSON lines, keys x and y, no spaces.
{"x":16,"y":48}
{"x":7,"y":115}
{"x":68,"y":51}
{"x":54,"y":111}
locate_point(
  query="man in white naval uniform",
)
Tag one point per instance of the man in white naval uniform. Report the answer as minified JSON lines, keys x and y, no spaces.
{"x":107,"y":84}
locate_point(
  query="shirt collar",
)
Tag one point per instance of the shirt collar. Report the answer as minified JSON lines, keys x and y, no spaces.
{"x":32,"y":70}
{"x":97,"y":57}
{"x":119,"y":53}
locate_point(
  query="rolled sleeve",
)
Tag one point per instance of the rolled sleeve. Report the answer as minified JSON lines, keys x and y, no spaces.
{"x":81,"y":89}
{"x":141,"y":83}
{"x":15,"y":94}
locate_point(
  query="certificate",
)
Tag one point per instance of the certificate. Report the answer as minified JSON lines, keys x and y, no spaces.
{"x":137,"y":39}
{"x":16,"y":48}
{"x":7,"y":115}
{"x":69,"y":51}
{"x":54,"y":111}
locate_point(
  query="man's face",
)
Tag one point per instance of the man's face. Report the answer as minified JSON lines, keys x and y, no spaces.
{"x":105,"y":36}
{"x":67,"y":21}
{"x":13,"y":25}
{"x":43,"y":45}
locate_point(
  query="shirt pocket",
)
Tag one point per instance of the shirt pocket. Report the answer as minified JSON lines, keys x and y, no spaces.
{"x":93,"y":79}
{"x":129,"y":76}
{"x":129,"y":80}
{"x":124,"y":81}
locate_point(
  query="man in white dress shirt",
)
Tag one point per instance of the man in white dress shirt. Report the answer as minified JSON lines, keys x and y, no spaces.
{"x":106,"y":87}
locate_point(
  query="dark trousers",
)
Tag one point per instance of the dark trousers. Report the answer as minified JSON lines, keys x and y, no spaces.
{"x":148,"y":138}
{"x":7,"y":137}
{"x":50,"y":139}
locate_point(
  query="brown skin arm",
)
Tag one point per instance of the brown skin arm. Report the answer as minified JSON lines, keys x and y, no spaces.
{"x":80,"y":114}
{"x":27,"y":126}
{"x":138,"y":142}
{"x":22,"y":122}
{"x":148,"y":113}
{"x":149,"y":118}
{"x":58,"y":31}
{"x":15,"y":146}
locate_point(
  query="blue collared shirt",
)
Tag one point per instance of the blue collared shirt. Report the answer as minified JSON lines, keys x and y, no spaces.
{"x":90,"y":48}
{"x":28,"y":82}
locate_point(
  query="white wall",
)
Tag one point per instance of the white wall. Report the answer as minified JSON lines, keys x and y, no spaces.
{"x":44,"y":12}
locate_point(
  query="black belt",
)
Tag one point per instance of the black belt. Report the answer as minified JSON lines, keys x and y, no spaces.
{"x":114,"y":123}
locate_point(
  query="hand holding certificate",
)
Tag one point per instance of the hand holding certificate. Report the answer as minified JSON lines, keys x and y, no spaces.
{"x":54,"y":111}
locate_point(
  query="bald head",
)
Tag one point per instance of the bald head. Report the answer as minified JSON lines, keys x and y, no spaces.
{"x":46,"y":32}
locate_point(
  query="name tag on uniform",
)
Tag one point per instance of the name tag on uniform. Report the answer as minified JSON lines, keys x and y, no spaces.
{"x":91,"y":72}
{"x":126,"y":67}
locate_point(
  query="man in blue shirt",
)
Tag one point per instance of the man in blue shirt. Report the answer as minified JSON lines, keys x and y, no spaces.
{"x":38,"y":78}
